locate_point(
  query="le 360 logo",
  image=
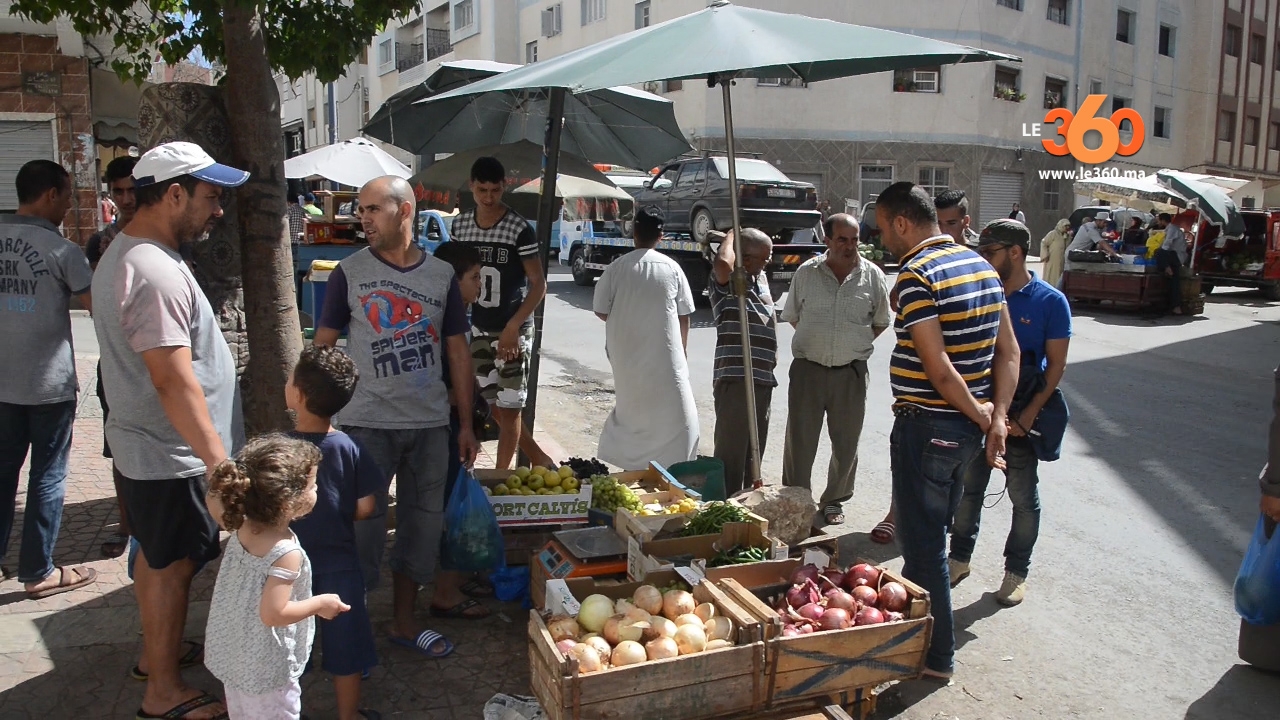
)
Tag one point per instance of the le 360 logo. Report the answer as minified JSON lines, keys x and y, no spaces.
{"x":1070,"y":136}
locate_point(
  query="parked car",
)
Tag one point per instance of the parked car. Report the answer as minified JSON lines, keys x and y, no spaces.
{"x":433,"y":229}
{"x":694,"y":194}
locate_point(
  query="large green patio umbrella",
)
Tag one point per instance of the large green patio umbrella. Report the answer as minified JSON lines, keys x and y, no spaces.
{"x":389,"y":125}
{"x":1213,"y":202}
{"x":719,"y":44}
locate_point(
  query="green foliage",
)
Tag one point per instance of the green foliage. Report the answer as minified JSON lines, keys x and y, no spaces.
{"x":323,"y":36}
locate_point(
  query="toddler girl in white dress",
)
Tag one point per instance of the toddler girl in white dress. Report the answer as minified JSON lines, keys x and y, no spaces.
{"x":261,"y":621}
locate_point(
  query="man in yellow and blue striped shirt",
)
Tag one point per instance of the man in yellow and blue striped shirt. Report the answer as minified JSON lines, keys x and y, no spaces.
{"x":953,"y":373}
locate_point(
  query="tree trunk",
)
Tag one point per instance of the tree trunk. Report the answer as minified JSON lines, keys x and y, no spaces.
{"x":195,"y":113}
{"x":270,"y":302}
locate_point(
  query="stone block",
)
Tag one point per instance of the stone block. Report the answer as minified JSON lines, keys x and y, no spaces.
{"x":789,"y":510}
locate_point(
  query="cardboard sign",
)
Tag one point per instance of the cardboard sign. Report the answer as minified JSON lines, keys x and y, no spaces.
{"x":517,"y":510}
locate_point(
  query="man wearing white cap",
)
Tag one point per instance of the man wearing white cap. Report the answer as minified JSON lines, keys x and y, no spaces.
{"x":1089,"y":236}
{"x":174,"y":411}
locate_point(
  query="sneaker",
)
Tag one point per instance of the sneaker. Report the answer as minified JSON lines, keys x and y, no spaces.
{"x":958,"y":570}
{"x":1012,"y":591}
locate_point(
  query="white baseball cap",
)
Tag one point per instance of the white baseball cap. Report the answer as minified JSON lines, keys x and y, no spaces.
{"x":175,"y":159}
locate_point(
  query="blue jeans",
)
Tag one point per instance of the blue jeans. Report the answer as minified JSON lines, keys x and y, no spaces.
{"x":1022,"y":482}
{"x":46,"y":430}
{"x":929,"y":453}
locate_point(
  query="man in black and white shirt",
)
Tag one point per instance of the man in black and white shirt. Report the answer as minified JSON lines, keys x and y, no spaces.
{"x":512,"y":285}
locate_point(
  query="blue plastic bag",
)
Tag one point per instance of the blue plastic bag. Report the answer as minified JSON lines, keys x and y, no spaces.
{"x":1257,"y":589}
{"x":472,"y":539}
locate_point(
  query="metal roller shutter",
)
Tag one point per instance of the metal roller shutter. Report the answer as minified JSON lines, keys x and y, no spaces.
{"x":21,"y":141}
{"x":998,"y":192}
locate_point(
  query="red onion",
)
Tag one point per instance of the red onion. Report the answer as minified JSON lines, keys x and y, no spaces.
{"x":834,"y":575}
{"x":837,"y":598}
{"x":790,"y":631}
{"x":893,"y":597}
{"x":805,"y":629}
{"x":812,"y":611}
{"x":893,"y":617}
{"x":804,"y":594}
{"x":862,"y":574}
{"x":865,"y":595}
{"x":868,"y":616}
{"x":835,"y":619}
{"x":803,"y":573}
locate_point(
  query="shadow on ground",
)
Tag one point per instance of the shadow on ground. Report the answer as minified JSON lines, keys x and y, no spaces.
{"x":1243,"y":693}
{"x":1202,"y":480}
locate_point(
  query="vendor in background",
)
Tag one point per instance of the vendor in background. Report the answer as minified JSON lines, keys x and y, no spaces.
{"x":1135,"y":234}
{"x":309,"y":204}
{"x":1089,"y":236}
{"x":1170,"y":258}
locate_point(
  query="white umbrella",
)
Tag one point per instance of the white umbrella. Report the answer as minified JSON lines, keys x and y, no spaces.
{"x":1139,"y":193}
{"x":571,"y":186}
{"x":351,"y":162}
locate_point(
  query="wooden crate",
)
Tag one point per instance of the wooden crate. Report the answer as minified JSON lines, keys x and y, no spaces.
{"x":838,"y":661}
{"x":726,"y":683}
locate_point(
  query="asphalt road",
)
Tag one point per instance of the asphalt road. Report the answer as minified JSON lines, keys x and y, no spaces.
{"x":1145,"y":520}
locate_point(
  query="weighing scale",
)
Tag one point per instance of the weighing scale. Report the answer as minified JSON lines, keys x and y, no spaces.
{"x":584,"y":552}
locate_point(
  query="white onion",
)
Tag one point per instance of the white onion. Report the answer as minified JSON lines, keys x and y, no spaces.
{"x":588,"y":659}
{"x":619,"y":628}
{"x":718,"y":628}
{"x":690,"y":639}
{"x":647,"y":598}
{"x":600,"y":645}
{"x":661,"y":649}
{"x":595,"y":610}
{"x":660,"y":627}
{"x":621,"y":606}
{"x":689,"y":619}
{"x":636,"y":614}
{"x":563,"y":626}
{"x":717,"y":645}
{"x":627,"y":653}
{"x":566,"y":646}
{"x":676,"y":603}
{"x":610,"y":630}
{"x":705,"y":611}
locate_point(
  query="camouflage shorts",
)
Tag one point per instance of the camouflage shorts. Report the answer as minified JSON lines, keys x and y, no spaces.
{"x":503,"y":384}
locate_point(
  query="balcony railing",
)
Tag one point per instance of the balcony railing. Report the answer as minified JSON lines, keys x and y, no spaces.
{"x":409,"y":56}
{"x":437,"y":43}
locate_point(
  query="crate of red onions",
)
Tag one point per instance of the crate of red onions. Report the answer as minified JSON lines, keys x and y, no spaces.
{"x":831,"y":630}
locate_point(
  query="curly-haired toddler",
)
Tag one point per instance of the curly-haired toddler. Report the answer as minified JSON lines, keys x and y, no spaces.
{"x":260,"y":625}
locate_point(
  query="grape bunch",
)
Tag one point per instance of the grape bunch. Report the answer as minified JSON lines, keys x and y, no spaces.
{"x":608,"y":494}
{"x":587,"y":468}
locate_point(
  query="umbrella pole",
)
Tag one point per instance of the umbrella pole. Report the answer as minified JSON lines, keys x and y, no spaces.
{"x":546,"y":217}
{"x":739,"y":284}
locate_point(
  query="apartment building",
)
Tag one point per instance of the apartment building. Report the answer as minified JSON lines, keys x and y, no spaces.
{"x":1201,"y":75}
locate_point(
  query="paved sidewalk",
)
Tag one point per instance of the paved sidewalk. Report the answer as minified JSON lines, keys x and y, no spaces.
{"x":69,"y":656}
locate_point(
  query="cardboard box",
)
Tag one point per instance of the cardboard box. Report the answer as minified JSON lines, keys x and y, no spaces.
{"x":517,"y":510}
{"x":646,"y":557}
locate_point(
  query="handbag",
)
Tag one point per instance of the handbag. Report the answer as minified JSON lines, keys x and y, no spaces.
{"x":1046,"y":433}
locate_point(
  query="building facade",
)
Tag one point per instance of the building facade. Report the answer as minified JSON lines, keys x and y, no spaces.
{"x":1201,"y":76}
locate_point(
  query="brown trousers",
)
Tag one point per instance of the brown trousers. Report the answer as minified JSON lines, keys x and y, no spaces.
{"x":732,"y":429}
{"x":839,"y":394}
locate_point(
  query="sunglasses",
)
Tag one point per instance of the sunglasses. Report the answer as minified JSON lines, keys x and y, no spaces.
{"x":990,"y":251}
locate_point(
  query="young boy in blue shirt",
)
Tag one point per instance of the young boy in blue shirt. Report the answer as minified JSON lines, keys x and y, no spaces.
{"x":346,"y":485}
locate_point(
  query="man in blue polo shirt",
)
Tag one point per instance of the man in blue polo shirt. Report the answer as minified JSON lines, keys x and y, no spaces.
{"x":1042,"y":322}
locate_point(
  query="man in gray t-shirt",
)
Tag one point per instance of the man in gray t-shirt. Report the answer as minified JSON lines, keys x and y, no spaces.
{"x":172,"y":384}
{"x":406,"y":315}
{"x":39,"y":272}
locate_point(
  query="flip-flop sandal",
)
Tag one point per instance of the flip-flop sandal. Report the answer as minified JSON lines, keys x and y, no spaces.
{"x":178,"y":712}
{"x":426,"y":640}
{"x":477,"y":588}
{"x":461,"y":611}
{"x":190,"y":658}
{"x":85,"y":576}
{"x":115,"y":547}
{"x":833,"y":514}
{"x":883,"y":533}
